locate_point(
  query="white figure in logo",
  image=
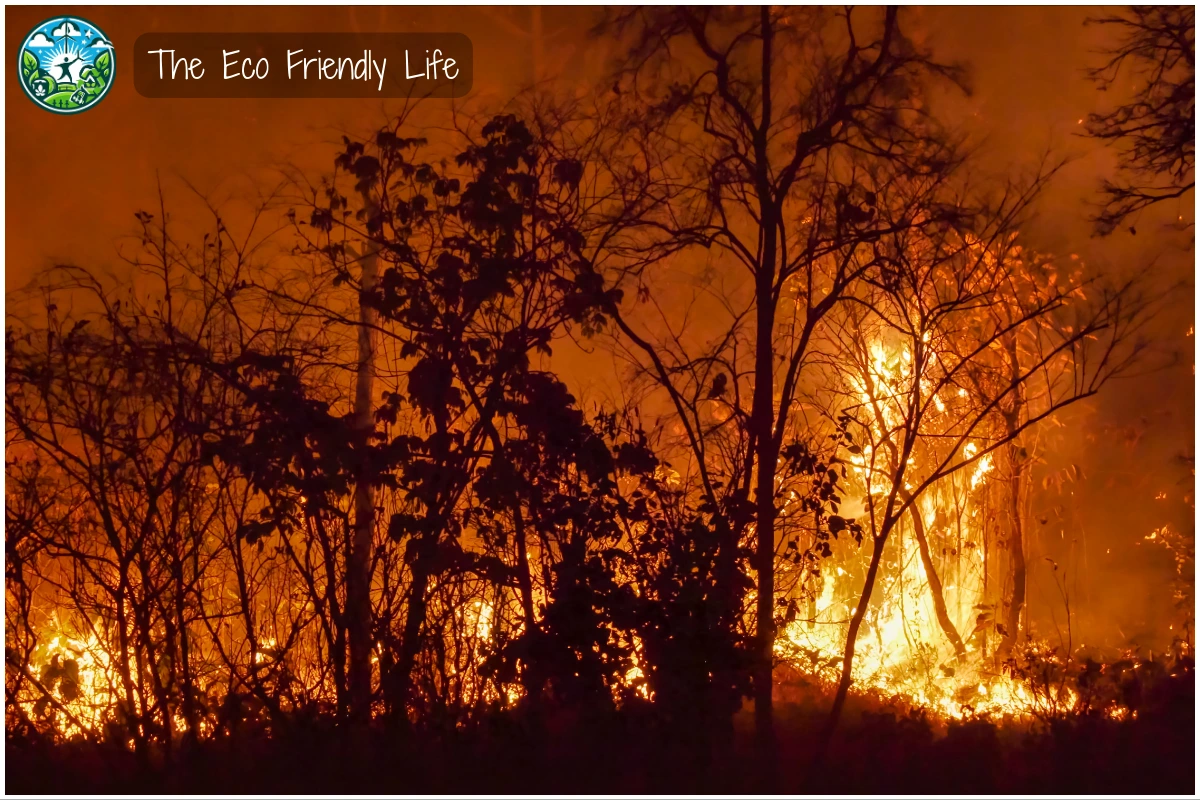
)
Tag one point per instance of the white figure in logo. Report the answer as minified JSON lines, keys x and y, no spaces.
{"x":69,"y":65}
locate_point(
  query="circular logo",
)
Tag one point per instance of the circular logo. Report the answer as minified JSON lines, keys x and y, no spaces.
{"x":66,"y":65}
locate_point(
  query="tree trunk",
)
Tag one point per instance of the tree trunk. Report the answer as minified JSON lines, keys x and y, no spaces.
{"x":935,"y":582}
{"x":1016,"y":543}
{"x":864,"y":601}
{"x":424,"y":546}
{"x":1017,"y":550}
{"x":358,"y":559}
{"x":762,"y":422}
{"x":765,"y":563}
{"x":414,"y":620}
{"x":762,"y":418}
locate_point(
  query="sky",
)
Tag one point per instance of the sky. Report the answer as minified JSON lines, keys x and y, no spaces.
{"x":1028,"y":95}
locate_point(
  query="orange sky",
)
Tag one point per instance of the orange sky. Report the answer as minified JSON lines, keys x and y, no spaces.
{"x":1027,"y":74}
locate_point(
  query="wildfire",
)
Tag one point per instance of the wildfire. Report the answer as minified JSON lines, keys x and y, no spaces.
{"x":902,"y":648}
{"x":903,"y":654}
{"x":78,"y":684}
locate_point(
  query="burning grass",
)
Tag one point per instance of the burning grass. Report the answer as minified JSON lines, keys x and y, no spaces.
{"x":886,"y":745}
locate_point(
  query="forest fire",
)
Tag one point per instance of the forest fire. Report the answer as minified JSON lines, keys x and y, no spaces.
{"x":736,"y":412}
{"x":80,"y":673}
{"x":905,"y":651}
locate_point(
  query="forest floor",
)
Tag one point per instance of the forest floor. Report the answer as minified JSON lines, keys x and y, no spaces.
{"x":877,"y":750}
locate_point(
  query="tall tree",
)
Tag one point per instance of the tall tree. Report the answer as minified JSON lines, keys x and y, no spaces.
{"x":359,"y":548}
{"x":479,"y":273}
{"x":752,"y":122}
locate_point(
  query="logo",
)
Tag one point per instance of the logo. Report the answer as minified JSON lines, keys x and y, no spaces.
{"x":66,"y":65}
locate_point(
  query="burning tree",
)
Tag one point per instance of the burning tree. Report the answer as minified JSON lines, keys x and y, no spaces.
{"x":954,"y":344}
{"x":118,"y":542}
{"x":750,"y":122}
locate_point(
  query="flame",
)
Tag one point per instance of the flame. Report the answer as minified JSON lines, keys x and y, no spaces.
{"x":81,"y":679}
{"x":902,"y":648}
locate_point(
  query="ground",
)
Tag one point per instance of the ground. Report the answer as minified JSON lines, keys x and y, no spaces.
{"x":878,"y":750}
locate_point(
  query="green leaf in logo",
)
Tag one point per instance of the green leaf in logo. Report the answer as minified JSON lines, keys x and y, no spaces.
{"x":29,"y":64}
{"x":104,"y":64}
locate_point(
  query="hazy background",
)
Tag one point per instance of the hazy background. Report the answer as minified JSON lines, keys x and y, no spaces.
{"x":1029,"y":94}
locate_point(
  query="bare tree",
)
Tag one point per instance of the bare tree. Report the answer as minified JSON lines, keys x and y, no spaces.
{"x":110,"y":398}
{"x":358,"y":567}
{"x":949,"y":299}
{"x":1155,"y":132}
{"x":751,"y":122}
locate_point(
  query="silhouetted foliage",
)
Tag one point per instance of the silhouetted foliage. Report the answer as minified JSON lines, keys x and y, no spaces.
{"x":1155,"y":132}
{"x":340,"y":505}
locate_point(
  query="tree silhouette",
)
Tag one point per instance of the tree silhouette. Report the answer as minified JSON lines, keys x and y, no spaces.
{"x":1154,"y":133}
{"x":758,"y":126}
